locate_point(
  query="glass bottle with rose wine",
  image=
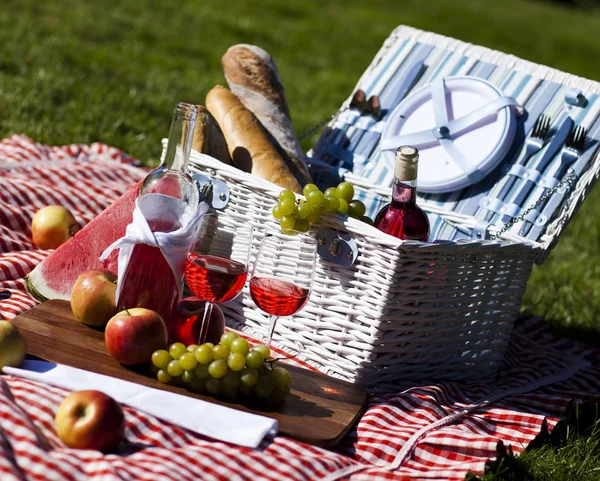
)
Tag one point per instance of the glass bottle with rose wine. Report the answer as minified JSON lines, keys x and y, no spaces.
{"x":403,"y":218}
{"x":167,"y":203}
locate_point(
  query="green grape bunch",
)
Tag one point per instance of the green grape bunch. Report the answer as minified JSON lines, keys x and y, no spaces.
{"x":299,"y":215}
{"x":230,"y":369}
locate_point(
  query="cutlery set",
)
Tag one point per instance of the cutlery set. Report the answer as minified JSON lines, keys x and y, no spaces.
{"x":540,"y":187}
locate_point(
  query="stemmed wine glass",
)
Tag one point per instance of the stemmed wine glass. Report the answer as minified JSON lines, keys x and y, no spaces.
{"x":217,"y":265}
{"x":282,"y":276}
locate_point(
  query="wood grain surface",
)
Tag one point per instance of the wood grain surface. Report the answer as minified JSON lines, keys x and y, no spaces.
{"x":320,"y":409}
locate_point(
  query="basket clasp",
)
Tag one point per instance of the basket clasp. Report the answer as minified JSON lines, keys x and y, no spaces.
{"x":337,"y":248}
{"x":212,"y":191}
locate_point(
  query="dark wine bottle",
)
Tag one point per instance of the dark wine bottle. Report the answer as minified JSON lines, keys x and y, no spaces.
{"x":403,"y":218}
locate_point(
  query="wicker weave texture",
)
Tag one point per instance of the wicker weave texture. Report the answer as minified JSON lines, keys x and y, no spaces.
{"x":404,"y":312}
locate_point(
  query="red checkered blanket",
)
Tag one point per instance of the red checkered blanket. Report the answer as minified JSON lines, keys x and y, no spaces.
{"x":427,"y":432}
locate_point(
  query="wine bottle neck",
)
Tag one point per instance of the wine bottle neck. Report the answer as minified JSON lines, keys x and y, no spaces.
{"x":404,"y":193}
{"x":180,"y":137}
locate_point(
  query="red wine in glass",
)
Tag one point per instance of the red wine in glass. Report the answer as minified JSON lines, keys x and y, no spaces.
{"x":214,"y":279}
{"x":277,"y":297}
{"x":217,"y":266}
{"x":282,"y":275}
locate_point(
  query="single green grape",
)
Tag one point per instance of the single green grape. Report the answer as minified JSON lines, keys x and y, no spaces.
{"x":240,"y":345}
{"x":254,"y":359}
{"x":286,"y":207}
{"x":315,"y":198}
{"x":309,"y":188}
{"x":288,"y":222}
{"x":314,"y":216}
{"x":236,"y":361}
{"x":174,"y":368}
{"x":192,"y":347}
{"x":263,"y":349}
{"x":331,"y":204}
{"x":220,"y":351}
{"x":332,"y":191}
{"x":213,"y":385}
{"x":302,"y":225}
{"x":232,"y":377}
{"x":281,"y":376}
{"x":198,"y":385}
{"x":246,"y":390}
{"x":161,"y":358}
{"x":276,"y":212}
{"x":304,"y":210}
{"x":201,"y":371}
{"x":229,"y":390}
{"x":227,"y":337}
{"x":163,"y":376}
{"x":367,"y":220}
{"x":204,"y":354}
{"x":187,"y":377}
{"x":188,"y":361}
{"x":356,"y":209}
{"x":277,"y":396}
{"x":248,"y":376}
{"x":287,"y":194}
{"x":345,"y":191}
{"x":343,"y":208}
{"x":264,"y":387}
{"x":177,"y":349}
{"x":217,"y":368}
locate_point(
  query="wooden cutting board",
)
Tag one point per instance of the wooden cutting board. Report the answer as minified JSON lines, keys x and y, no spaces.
{"x":320,"y":410}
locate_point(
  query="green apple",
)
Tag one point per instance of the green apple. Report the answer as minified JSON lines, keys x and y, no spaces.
{"x":13,"y":347}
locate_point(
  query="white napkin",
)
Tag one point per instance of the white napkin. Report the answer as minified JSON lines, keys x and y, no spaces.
{"x":174,"y":245}
{"x":212,"y":420}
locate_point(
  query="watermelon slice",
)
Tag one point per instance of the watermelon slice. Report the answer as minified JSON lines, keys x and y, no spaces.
{"x":54,"y":277}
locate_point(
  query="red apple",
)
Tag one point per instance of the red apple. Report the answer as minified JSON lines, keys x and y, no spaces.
{"x":93,"y":298}
{"x":90,"y":420}
{"x":13,"y":346}
{"x":187,"y":323}
{"x":52,"y":226}
{"x":132,"y":335}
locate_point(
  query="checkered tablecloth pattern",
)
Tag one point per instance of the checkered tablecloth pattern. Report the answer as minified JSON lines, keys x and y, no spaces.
{"x":426,"y":432}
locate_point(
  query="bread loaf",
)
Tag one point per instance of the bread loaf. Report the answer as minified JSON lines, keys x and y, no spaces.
{"x":252,"y":76}
{"x":249,"y":145}
{"x":208,"y":137}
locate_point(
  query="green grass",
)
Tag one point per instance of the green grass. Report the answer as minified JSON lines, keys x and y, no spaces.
{"x":111,"y":71}
{"x":578,"y":459}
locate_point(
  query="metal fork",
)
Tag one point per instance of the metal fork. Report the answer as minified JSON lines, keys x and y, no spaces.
{"x":533,"y":144}
{"x":573,"y":148}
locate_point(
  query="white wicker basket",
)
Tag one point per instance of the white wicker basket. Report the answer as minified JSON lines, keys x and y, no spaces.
{"x":405,"y":311}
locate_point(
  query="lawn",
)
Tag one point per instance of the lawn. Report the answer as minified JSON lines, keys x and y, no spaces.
{"x":111,"y":71}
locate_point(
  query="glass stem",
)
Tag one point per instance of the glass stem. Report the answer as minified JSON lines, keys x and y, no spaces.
{"x":272,"y":322}
{"x":205,"y":320}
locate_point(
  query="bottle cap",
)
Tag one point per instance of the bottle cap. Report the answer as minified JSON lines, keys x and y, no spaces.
{"x":407,"y":161}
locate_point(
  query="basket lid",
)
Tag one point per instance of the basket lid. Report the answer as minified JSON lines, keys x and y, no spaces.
{"x":471,"y":179}
{"x":462,"y":126}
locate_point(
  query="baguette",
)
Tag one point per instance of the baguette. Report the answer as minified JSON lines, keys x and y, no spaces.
{"x":249,"y":145}
{"x":253,"y":77}
{"x":208,"y":138}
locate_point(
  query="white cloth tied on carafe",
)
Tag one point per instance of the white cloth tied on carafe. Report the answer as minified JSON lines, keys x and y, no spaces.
{"x":174,"y":245}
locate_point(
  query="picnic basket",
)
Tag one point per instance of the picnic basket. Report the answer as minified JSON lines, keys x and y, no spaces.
{"x":412,"y":312}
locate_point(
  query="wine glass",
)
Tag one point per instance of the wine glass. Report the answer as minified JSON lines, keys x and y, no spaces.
{"x":217,"y":266}
{"x":282,"y":275}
